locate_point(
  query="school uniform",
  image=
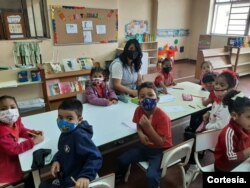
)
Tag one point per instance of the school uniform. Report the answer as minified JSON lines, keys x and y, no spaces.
{"x":10,"y":149}
{"x":78,"y":157}
{"x":153,"y":153}
{"x":229,"y":149}
{"x":166,"y":78}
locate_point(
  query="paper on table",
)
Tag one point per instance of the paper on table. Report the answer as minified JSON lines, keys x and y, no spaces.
{"x":166,"y":98}
{"x":130,"y":124}
{"x":174,"y":108}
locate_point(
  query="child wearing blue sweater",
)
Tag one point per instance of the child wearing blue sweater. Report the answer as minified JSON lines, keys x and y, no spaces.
{"x":77,"y":158}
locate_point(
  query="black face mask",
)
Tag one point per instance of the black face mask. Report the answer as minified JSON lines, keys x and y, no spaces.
{"x":132,"y":54}
{"x":167,"y":69}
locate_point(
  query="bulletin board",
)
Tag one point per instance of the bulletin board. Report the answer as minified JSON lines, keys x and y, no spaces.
{"x":81,"y":25}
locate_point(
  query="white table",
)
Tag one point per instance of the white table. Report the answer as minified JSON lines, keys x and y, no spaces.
{"x":106,"y":122}
{"x":243,"y":167}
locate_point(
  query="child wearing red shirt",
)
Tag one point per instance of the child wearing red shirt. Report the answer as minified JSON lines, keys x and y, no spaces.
{"x":233,"y":146}
{"x":165,"y":78}
{"x":154,"y":131}
{"x":11,"y":129}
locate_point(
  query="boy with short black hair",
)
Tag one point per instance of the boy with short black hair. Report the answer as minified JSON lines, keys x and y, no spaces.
{"x":154,"y":131}
{"x":77,"y":157}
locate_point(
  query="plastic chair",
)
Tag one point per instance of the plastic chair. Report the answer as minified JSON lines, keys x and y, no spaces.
{"x":205,"y":141}
{"x":107,"y":181}
{"x":173,"y":156}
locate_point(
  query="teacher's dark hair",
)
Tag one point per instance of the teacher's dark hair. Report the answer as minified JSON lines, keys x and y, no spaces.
{"x":124,"y":55}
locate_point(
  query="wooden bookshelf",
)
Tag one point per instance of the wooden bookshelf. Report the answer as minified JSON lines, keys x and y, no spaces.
{"x":241,"y":59}
{"x":52,"y":102}
{"x":219,"y":57}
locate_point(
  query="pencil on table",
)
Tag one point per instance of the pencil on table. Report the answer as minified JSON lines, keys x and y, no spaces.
{"x":178,"y":88}
{"x":73,"y":179}
{"x":197,"y":96}
{"x":191,"y":106}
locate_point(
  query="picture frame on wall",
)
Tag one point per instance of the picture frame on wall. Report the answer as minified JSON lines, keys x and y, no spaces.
{"x":14,"y":25}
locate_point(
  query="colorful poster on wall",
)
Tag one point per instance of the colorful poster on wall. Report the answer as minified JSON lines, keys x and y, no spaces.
{"x":136,"y":27}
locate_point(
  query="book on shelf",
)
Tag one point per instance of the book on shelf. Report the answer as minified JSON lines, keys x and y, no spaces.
{"x":85,"y":63}
{"x":49,"y":84}
{"x":71,"y":65}
{"x":65,"y":87}
{"x":56,"y":67}
{"x":54,"y":89}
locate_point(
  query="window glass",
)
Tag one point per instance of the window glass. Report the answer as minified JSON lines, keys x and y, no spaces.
{"x":231,"y":17}
{"x":221,"y":17}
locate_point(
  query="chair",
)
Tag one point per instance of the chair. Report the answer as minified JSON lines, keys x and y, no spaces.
{"x":107,"y":181}
{"x":5,"y":185}
{"x":172,"y":156}
{"x":205,"y":141}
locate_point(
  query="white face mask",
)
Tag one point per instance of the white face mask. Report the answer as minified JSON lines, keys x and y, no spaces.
{"x":9,"y":116}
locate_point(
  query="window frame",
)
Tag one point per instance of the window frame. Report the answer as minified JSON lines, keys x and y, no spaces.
{"x":230,"y":2}
{"x":30,"y":15}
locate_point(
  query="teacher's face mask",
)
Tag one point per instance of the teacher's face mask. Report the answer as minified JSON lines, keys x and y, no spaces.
{"x":132,"y":54}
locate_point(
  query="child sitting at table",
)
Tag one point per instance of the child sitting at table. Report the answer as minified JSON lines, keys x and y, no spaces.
{"x":98,"y":92}
{"x":11,"y":129}
{"x":78,"y":159}
{"x":208,"y":81}
{"x":165,"y":78}
{"x":154,"y":131}
{"x":233,"y":146}
{"x":206,"y":67}
{"x":217,"y":118}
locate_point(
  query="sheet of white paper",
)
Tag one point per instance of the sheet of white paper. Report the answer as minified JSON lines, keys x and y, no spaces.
{"x":144,"y":66}
{"x":100,"y":29}
{"x":174,"y":108}
{"x":87,"y":25}
{"x":130,"y":124}
{"x":71,"y":28}
{"x":166,"y":98}
{"x":87,"y":36}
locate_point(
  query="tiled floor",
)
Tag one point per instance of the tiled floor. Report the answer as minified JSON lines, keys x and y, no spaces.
{"x":182,"y":72}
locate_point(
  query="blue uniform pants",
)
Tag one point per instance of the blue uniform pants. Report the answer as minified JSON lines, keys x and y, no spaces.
{"x":139,"y":154}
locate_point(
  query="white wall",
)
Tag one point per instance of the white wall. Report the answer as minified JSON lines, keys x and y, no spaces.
{"x":174,"y":14}
{"x":201,"y":17}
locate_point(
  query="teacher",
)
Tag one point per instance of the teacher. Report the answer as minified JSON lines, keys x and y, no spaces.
{"x":124,"y":71}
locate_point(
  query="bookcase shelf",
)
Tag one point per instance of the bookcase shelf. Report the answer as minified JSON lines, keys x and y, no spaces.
{"x":241,"y":59}
{"x":52,"y":101}
{"x":219,"y":57}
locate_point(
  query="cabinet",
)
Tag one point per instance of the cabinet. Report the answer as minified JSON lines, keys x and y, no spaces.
{"x":22,"y":91}
{"x":241,"y":60}
{"x":219,"y":57}
{"x":149,"y":47}
{"x":52,"y":101}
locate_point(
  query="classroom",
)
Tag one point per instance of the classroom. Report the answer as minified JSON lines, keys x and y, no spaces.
{"x":54,"y":51}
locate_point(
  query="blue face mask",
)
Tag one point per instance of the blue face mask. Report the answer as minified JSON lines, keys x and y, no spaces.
{"x":148,"y":104}
{"x":65,"y":126}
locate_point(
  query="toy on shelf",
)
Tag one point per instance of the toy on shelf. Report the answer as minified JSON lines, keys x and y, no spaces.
{"x":167,"y":52}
